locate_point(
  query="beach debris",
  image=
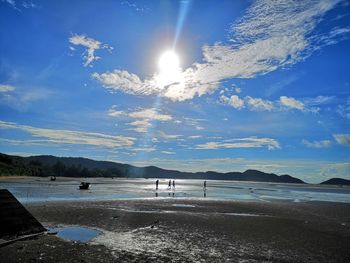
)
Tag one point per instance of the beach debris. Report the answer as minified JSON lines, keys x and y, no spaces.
{"x":53,"y":178}
{"x":155,"y":223}
{"x":84,"y":186}
{"x":16,"y":222}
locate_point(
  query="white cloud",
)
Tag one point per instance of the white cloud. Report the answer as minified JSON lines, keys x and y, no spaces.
{"x":317,"y":144}
{"x":238,"y":90}
{"x":71,"y":137}
{"x":254,"y":104}
{"x":165,"y":136}
{"x":343,"y":139}
{"x":143,"y":149}
{"x":233,"y":101}
{"x":150,"y":114}
{"x":291,"y":103}
{"x":284,"y":103}
{"x":168,"y":152}
{"x":271,"y":35}
{"x":195,"y":136}
{"x":140,"y":125}
{"x":6,"y":88}
{"x":258,"y":104}
{"x":112,"y":112}
{"x":91,"y":46}
{"x":250,"y":142}
{"x":143,"y":118}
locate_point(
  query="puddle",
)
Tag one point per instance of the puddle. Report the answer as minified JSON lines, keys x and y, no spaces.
{"x":75,"y":233}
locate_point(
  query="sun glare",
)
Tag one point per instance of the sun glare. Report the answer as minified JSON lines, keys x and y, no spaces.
{"x":169,"y":68}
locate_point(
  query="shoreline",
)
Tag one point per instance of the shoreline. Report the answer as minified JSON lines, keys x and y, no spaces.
{"x":67,"y":178}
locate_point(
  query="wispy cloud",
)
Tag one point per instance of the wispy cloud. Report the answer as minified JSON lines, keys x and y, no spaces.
{"x":143,"y":149}
{"x":20,"y":98}
{"x":253,"y":104}
{"x":167,"y":152}
{"x":291,"y":103}
{"x":163,"y":135}
{"x":91,"y":46}
{"x":143,"y":118}
{"x":284,"y":103}
{"x":271,"y":35}
{"x":71,"y":137}
{"x":6,"y":88}
{"x":250,"y":142}
{"x":317,"y":144}
{"x":150,"y":114}
{"x":135,"y":7}
{"x":195,"y":136}
{"x":343,"y":139}
{"x":344,"y":109}
{"x":17,"y":5}
{"x":258,"y":104}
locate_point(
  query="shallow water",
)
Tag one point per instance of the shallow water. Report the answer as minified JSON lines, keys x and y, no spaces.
{"x":75,"y":233}
{"x":31,"y":190}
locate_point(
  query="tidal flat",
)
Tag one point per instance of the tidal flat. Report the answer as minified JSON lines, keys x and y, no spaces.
{"x":183,"y":230}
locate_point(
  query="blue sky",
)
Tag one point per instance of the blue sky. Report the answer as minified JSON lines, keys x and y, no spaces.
{"x":259,"y":85}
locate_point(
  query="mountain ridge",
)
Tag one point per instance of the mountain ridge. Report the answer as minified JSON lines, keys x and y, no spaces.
{"x":48,"y":165}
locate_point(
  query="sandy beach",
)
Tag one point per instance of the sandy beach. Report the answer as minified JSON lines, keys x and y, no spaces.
{"x":175,"y":230}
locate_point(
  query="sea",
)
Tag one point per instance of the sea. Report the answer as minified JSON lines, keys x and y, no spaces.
{"x":31,"y":190}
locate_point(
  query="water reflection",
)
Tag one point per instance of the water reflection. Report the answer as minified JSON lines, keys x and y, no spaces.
{"x":65,"y":189}
{"x":81,"y":234}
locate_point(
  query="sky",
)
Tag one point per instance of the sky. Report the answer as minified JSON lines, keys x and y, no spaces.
{"x":186,"y":85}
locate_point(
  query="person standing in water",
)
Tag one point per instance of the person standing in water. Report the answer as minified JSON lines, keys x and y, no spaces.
{"x":169,"y":185}
{"x":173,"y":184}
{"x":157,"y":182}
{"x":205,"y":185}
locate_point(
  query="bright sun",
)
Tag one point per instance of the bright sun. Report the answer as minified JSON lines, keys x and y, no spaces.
{"x":169,"y":68}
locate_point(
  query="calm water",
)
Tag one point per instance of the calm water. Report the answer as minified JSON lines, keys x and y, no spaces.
{"x":75,"y":233}
{"x":64,"y":189}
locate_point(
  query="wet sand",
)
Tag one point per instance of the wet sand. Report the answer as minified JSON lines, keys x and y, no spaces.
{"x":175,"y":230}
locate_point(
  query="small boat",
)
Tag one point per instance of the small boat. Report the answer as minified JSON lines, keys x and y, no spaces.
{"x":84,"y":186}
{"x":53,"y":178}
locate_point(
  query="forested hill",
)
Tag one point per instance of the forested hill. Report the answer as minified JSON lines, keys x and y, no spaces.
{"x":337,"y":181}
{"x":46,"y":165}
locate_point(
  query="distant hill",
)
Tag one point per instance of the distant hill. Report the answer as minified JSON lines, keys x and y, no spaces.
{"x":47,"y":165}
{"x":337,"y":181}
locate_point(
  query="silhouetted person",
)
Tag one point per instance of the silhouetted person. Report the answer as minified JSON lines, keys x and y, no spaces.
{"x":157,"y":182}
{"x":174,"y":184}
{"x":169,"y":185}
{"x":205,"y":185}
